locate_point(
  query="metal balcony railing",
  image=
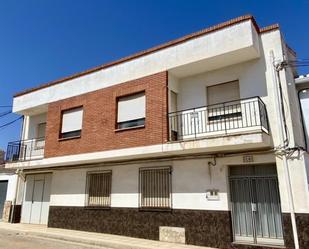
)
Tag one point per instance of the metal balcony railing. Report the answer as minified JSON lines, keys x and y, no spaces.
{"x":25,"y":150}
{"x":242,"y":115}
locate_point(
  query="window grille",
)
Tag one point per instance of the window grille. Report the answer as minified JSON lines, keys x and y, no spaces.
{"x":99,"y":186}
{"x":155,"y":188}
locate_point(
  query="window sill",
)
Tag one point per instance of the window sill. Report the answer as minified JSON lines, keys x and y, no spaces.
{"x":130,"y":128}
{"x":68,"y":138}
{"x":258,"y":245}
{"x":154,"y":209}
{"x":97,"y":207}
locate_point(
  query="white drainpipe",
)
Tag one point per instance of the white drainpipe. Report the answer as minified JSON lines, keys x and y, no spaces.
{"x":284,"y":158}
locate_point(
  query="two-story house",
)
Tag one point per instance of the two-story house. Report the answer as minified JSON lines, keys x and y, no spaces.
{"x":199,"y":137}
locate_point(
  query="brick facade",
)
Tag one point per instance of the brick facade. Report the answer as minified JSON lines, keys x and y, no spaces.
{"x":100,"y":115}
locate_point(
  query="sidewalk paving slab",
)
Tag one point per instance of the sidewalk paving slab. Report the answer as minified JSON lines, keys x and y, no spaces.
{"x":92,"y":238}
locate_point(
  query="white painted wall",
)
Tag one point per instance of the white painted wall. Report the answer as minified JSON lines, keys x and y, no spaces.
{"x":298,"y":169}
{"x":12,"y":181}
{"x":256,"y":78}
{"x":31,"y":124}
{"x":240,"y":39}
{"x":190,"y":180}
{"x":68,"y":188}
{"x":299,"y":183}
{"x":293,"y":106}
{"x":256,"y":139}
{"x":251,"y":76}
{"x":306,"y":158}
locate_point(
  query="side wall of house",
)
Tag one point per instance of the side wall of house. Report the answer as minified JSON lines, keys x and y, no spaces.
{"x":273,"y":49}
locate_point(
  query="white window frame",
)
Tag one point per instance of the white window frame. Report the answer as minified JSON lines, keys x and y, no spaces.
{"x":40,"y":141}
{"x":218,"y":112}
{"x":71,"y":133}
{"x":139,"y":121}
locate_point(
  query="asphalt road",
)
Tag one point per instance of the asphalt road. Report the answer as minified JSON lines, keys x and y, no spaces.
{"x":15,"y":240}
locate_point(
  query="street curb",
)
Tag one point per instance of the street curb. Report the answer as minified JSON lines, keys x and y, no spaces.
{"x":92,"y":242}
{"x":105,"y":243}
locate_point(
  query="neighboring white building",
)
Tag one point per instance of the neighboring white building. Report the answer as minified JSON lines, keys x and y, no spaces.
{"x":195,"y":133}
{"x":302,"y":85}
{"x":8,"y":181}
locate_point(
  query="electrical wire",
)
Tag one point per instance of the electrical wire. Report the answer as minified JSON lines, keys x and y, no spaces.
{"x":9,"y":123}
{"x":297,"y":63}
{"x":5,"y":113}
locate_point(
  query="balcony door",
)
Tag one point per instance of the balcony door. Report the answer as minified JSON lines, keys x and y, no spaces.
{"x":255,"y":202}
{"x":40,"y":138}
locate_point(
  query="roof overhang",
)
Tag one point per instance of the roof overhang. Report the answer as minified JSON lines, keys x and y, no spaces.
{"x":222,"y":45}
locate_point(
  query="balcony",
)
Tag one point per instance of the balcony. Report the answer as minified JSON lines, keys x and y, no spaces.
{"x":228,"y":118}
{"x":25,"y":150}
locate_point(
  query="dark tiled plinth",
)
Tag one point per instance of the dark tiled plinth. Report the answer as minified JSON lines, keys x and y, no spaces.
{"x":203,"y":227}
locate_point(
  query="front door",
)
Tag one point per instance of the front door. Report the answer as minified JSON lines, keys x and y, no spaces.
{"x":3,"y":190}
{"x":256,"y":211}
{"x":36,"y":202}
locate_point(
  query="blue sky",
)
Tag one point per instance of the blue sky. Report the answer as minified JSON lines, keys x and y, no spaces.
{"x":43,"y":40}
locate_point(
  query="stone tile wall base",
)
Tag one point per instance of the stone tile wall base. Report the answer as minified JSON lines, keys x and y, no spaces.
{"x":202,"y":227}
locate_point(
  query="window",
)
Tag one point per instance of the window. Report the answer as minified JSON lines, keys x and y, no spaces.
{"x":41,"y":130}
{"x":40,"y":139}
{"x":173,"y":117}
{"x":131,"y":111}
{"x":72,"y":123}
{"x":155,"y":188}
{"x":223,"y":101}
{"x":173,"y":101}
{"x":99,"y":185}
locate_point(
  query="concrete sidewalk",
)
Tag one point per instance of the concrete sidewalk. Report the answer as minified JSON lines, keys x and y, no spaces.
{"x":94,"y":239}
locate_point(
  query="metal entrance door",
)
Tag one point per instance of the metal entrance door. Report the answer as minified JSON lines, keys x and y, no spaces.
{"x":35,"y":207}
{"x":256,"y":211}
{"x":3,"y":190}
{"x":37,"y":200}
